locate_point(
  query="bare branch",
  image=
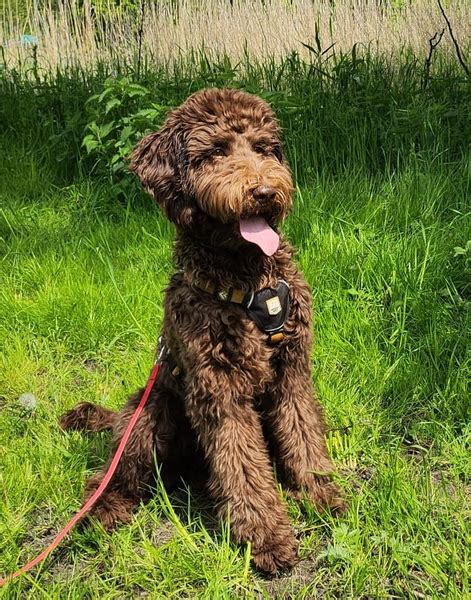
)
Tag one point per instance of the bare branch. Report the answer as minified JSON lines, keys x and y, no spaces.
{"x":140,"y":34}
{"x":455,"y":42}
{"x":433,"y":43}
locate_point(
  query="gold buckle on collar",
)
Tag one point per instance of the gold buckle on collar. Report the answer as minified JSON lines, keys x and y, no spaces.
{"x":234,"y":295}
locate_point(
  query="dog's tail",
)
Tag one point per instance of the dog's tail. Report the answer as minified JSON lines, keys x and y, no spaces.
{"x":88,"y":417}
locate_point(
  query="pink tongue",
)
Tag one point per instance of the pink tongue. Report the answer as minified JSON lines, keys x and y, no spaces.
{"x":257,"y":231}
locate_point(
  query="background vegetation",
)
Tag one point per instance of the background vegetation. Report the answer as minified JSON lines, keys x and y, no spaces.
{"x":81,"y":33}
{"x":379,"y":142}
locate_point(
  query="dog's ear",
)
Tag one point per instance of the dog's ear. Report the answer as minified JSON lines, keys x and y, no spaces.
{"x":159,"y":160}
{"x":154,"y":162}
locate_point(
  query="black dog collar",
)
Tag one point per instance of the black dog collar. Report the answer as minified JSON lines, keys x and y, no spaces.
{"x":268,"y":307}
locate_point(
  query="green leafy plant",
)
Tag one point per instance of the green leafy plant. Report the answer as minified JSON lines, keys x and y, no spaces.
{"x":117,"y":119}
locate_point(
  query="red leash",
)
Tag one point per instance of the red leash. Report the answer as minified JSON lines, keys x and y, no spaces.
{"x":109,"y":474}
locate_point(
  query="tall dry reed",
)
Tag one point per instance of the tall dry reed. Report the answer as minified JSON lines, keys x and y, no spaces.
{"x":70,"y":36}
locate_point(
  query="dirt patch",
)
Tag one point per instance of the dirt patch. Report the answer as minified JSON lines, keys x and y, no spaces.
{"x":291,"y":584}
{"x":90,"y":365}
{"x":162,"y":534}
{"x":43,"y":526}
{"x":358,"y":476}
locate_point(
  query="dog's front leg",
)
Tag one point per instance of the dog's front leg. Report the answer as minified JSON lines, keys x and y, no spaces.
{"x":297,"y":429}
{"x":220,"y":408}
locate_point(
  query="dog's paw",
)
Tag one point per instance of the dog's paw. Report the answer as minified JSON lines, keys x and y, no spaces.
{"x":324,"y":494}
{"x":276,"y":555}
{"x":329,"y":496}
{"x":109,"y":518}
{"x":111,"y":508}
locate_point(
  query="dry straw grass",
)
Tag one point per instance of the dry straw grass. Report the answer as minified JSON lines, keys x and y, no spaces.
{"x":72,"y":36}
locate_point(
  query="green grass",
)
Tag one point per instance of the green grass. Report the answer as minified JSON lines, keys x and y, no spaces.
{"x":80,"y":309}
{"x":383,"y":226}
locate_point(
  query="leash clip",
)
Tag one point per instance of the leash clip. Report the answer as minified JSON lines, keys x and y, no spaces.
{"x":162,"y":349}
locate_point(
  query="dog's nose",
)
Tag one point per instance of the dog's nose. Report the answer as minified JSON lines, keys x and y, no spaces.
{"x":264,"y":193}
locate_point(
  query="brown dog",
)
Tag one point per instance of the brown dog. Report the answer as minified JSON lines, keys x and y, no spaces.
{"x":235,"y":387}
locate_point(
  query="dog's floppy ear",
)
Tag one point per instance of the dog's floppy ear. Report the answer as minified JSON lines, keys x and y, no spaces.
{"x":154,"y":162}
{"x":159,"y":160}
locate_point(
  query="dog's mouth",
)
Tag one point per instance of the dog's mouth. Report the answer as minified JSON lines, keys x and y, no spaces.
{"x":258,"y":231}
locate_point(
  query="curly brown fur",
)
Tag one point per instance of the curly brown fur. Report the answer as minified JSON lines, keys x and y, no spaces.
{"x":203,"y":168}
{"x":88,"y":417}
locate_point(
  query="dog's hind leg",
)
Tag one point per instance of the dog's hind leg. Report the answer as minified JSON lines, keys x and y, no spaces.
{"x":149,"y":443}
{"x":88,"y":417}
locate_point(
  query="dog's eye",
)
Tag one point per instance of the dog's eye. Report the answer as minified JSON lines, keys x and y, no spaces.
{"x":261,"y":149}
{"x":208,"y":156}
{"x":277,"y":153}
{"x":274,"y":151}
{"x":218,"y":152}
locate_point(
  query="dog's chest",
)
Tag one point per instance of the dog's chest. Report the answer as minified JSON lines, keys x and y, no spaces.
{"x":243,"y":339}
{"x":239,"y":343}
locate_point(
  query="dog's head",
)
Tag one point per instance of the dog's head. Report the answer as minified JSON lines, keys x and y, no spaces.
{"x":217,"y":162}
